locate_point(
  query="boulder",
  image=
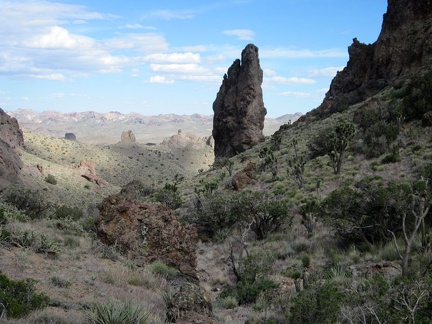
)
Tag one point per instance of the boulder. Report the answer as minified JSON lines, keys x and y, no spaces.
{"x":244,"y":178}
{"x":239,"y":110}
{"x":147,"y":232}
{"x":88,"y":171}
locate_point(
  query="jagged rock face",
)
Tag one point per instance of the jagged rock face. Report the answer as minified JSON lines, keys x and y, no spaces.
{"x":11,"y":137}
{"x":403,"y":48}
{"x":128,"y":137}
{"x":147,"y":232}
{"x":239,"y":110}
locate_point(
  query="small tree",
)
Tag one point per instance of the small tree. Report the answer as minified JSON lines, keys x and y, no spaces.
{"x":309,"y":211}
{"x":339,"y":140}
{"x":418,"y":209}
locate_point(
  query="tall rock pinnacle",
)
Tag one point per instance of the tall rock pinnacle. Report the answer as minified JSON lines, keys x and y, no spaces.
{"x":239,"y":108}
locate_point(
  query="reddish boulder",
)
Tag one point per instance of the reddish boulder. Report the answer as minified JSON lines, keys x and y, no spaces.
{"x":147,"y":232}
{"x":244,"y":178}
{"x":88,"y":171}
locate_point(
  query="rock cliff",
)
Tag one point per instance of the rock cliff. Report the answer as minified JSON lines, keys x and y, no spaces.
{"x":403,"y":49}
{"x":11,"y":137}
{"x":239,"y":110}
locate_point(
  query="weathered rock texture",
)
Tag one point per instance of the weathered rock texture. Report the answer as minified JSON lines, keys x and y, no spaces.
{"x":147,"y":232}
{"x":11,"y":137}
{"x":88,"y":171}
{"x":403,"y":49}
{"x":128,"y":137}
{"x":239,"y":109}
{"x":244,"y":178}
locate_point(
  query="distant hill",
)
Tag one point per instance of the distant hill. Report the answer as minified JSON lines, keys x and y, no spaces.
{"x":105,"y":128}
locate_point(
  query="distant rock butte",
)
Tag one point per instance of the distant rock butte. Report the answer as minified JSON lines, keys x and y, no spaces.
{"x":11,"y":137}
{"x":239,"y":110}
{"x":403,"y":49}
{"x":128,"y":137}
{"x":70,"y":136}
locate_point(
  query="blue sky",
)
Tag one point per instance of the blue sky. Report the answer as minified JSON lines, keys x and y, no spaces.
{"x":158,"y":57}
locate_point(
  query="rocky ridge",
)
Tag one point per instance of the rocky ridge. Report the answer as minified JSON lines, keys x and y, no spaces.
{"x":11,"y":137}
{"x":402,"y":50}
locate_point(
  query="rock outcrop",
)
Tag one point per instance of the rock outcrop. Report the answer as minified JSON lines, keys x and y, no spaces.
{"x":11,"y":137}
{"x":244,"y":178}
{"x":88,"y":171}
{"x":403,"y":49}
{"x":128,"y":137}
{"x":239,"y":110}
{"x":70,"y":136}
{"x":182,"y":140}
{"x":147,"y":232}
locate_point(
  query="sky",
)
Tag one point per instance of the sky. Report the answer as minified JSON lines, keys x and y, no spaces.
{"x":161,"y":57}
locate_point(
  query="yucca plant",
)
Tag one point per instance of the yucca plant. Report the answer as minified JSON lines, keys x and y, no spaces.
{"x":111,"y":313}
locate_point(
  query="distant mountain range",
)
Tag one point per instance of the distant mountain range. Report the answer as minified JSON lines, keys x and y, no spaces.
{"x":105,"y":128}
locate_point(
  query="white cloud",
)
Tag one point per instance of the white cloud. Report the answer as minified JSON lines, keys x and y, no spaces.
{"x":160,"y":79}
{"x":172,"y":14}
{"x":50,"y":76}
{"x":290,"y":81}
{"x":295,"y":94}
{"x":325,"y":72}
{"x":302,"y":53}
{"x":193,"y":69}
{"x":58,"y":38}
{"x":269,"y":72}
{"x":172,"y":58}
{"x":137,"y":26}
{"x":243,"y":34}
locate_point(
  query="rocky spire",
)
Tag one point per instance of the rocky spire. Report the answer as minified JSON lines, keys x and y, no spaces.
{"x":239,"y":108}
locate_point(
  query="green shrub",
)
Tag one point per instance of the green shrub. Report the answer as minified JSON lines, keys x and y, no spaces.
{"x":19,"y":297}
{"x":320,"y":303}
{"x":65,"y":212}
{"x":51,"y":179}
{"x":160,"y":268}
{"x":32,"y":203}
{"x":60,"y":282}
{"x":119,"y":313}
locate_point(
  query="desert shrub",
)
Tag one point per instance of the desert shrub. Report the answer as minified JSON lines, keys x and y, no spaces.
{"x":160,"y":268}
{"x":367,"y":211}
{"x":65,"y":212}
{"x":19,"y":297}
{"x":213,"y":212}
{"x":169,"y":196}
{"x":116,"y":313}
{"x":51,"y":179}
{"x":253,"y":278}
{"x":320,"y":303}
{"x":60,"y":282}
{"x":32,"y":203}
{"x":10,"y":212}
{"x":417,"y":96}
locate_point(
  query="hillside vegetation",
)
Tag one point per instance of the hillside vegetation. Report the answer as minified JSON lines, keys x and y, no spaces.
{"x":304,"y":243}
